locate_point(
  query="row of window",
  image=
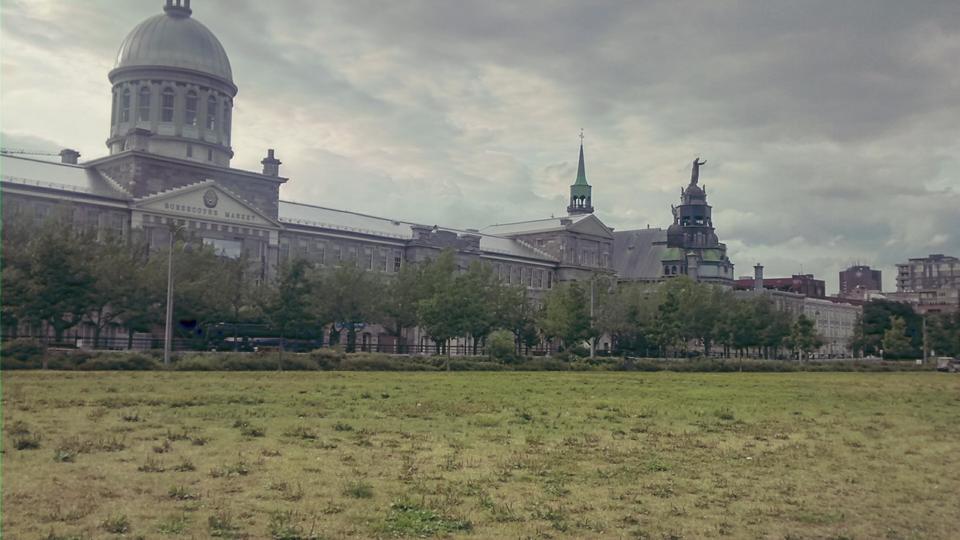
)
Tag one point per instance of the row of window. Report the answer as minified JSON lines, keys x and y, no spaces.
{"x":168,"y":99}
{"x":382,"y":260}
{"x":536,"y":278}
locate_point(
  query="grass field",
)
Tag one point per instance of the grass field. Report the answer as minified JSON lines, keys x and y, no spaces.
{"x":480,"y":455}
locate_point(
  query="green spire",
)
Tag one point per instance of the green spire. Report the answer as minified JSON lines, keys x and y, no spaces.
{"x":581,"y":170}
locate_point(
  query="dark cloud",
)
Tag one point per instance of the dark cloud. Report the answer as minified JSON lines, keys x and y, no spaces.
{"x":830,"y":128}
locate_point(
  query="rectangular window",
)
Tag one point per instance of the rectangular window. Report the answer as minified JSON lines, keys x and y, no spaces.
{"x":189,"y":150}
{"x":549,"y":280}
{"x":539,"y":279}
{"x":166,"y":105}
{"x":143,"y":104}
{"x":396,"y":262}
{"x":369,"y":259}
{"x":231,"y":249}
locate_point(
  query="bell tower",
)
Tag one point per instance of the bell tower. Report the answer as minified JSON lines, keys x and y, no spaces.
{"x":580,"y":192}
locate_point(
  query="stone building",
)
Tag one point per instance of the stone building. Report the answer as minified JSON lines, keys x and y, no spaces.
{"x":859,"y":280}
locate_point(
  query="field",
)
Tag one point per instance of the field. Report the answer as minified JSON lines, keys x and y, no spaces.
{"x":480,"y":455}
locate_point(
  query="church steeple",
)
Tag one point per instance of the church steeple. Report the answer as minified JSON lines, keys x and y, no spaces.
{"x":580,"y":191}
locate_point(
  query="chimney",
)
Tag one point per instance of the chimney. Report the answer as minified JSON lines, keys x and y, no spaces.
{"x":69,"y":155}
{"x":271,"y":165}
{"x":758,"y":277}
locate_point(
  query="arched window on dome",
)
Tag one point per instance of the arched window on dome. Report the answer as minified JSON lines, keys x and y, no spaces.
{"x":211,"y":112}
{"x":226,"y":119}
{"x":190,"y":109}
{"x":143,"y":104}
{"x":113,"y":110}
{"x":166,"y":105}
{"x":125,"y":106}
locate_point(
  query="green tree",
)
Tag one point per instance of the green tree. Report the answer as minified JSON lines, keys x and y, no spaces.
{"x":566,"y":315}
{"x":401,"y":297}
{"x":437,"y":310}
{"x":287,"y":302}
{"x":803,"y":337}
{"x":895,"y":341}
{"x":351,"y":298}
{"x":517,"y":314}
{"x":943,"y":333}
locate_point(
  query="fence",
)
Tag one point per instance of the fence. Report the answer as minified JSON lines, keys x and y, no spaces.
{"x":255,"y":344}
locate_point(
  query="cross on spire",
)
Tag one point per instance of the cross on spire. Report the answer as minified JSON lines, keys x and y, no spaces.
{"x":581,"y":136}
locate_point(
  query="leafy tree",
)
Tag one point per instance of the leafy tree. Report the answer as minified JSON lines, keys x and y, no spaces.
{"x":895,"y":341}
{"x":877,"y":317}
{"x":803,"y":337}
{"x":943,"y":333}
{"x":477,"y":291}
{"x":286,"y":303}
{"x":516,"y":313}
{"x":401,"y":296}
{"x":501,"y":345}
{"x":351,"y":297}
{"x":566,"y":315}
{"x":437,"y":309}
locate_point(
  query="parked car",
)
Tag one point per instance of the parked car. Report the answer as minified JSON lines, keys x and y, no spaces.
{"x":948,"y":365}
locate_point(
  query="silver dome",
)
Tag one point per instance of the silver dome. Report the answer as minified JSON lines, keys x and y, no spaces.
{"x":175,"y":40}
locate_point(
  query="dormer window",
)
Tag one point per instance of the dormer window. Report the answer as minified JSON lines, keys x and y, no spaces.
{"x":143,"y":104}
{"x":166,"y":104}
{"x":211,"y":113}
{"x":190,"y":109}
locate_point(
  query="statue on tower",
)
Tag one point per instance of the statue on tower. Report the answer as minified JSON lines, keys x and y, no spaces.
{"x":695,"y":175}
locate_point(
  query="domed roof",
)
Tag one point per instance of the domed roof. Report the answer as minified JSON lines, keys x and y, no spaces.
{"x":175,"y":40}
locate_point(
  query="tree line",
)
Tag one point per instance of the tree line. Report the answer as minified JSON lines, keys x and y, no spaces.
{"x":59,"y":278}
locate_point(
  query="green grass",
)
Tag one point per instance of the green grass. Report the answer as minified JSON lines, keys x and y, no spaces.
{"x":481,"y":455}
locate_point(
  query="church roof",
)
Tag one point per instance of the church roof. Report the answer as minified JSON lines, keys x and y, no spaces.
{"x":638,"y":254}
{"x":175,"y":40}
{"x":581,"y":171}
{"x":51,"y":175}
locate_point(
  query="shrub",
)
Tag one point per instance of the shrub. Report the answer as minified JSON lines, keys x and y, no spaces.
{"x":358,"y":489}
{"x":23,"y":350}
{"x":121,"y":361}
{"x":328,"y":358}
{"x":501,"y":345}
{"x":116,"y":524}
{"x":26,"y":442}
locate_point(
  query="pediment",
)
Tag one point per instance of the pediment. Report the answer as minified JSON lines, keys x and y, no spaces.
{"x":593,"y":226}
{"x":206,"y":201}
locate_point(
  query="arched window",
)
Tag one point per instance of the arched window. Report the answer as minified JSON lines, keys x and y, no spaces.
{"x":166,"y":104}
{"x":190,"y":109}
{"x":211,"y":112}
{"x":143,"y":104}
{"x":125,"y":106}
{"x":113,"y":110}
{"x":226,"y":119}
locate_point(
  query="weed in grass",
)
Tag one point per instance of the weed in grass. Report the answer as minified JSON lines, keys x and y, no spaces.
{"x":185,"y":465}
{"x":284,"y":526}
{"x":301,"y":432}
{"x":358,"y":489}
{"x":116,"y":524}
{"x":18,"y":428}
{"x":130,"y":416}
{"x":240,"y":468}
{"x":199,"y":441}
{"x":221,"y":525}
{"x":163,"y":448}
{"x":253,"y":431}
{"x":54,"y":536}
{"x":725,"y":413}
{"x":173,"y":525}
{"x":68,"y":450}
{"x":181,"y":493}
{"x":340,"y":426}
{"x":152,"y":465}
{"x":407,"y":518}
{"x":26,"y":442}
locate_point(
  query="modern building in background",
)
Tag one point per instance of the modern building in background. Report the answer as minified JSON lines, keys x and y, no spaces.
{"x":834,"y":319}
{"x":858,"y":280}
{"x":931,"y":284}
{"x":802,"y":284}
{"x":168,"y":166}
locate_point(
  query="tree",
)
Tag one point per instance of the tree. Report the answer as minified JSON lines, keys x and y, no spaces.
{"x":877,"y":316}
{"x":401,"y":296}
{"x":516,"y":314}
{"x":286,"y":303}
{"x":943,"y":333}
{"x":436,"y":309}
{"x":476,"y":293}
{"x":351,"y":297}
{"x":803,"y":337}
{"x":895,"y":341}
{"x":566,"y":315}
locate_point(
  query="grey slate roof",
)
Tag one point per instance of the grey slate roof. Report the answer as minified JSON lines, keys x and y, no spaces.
{"x":292,"y":213}
{"x":637,"y":253}
{"x":26,"y":171}
{"x":534,"y":226}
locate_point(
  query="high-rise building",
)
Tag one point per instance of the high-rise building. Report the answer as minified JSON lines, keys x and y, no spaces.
{"x":931,"y":284}
{"x":857,"y":280}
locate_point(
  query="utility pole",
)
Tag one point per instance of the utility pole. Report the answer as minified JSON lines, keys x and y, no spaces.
{"x":168,"y":321}
{"x":593,"y":342}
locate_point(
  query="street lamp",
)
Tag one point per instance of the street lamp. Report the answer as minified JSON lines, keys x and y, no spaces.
{"x":168,"y":321}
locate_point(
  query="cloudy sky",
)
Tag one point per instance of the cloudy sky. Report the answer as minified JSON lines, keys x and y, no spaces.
{"x":831,"y":129}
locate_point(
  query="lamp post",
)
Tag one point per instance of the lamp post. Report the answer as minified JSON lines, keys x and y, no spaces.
{"x":168,"y":320}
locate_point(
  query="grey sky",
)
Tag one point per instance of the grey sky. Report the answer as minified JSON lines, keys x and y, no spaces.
{"x":830,"y":128}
